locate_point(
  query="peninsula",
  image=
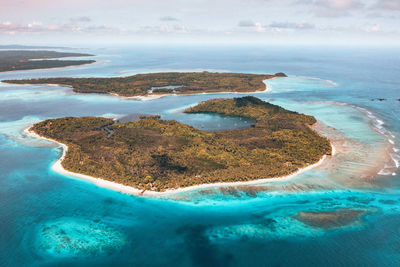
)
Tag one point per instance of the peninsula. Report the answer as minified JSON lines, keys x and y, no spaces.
{"x":162,"y":83}
{"x":13,"y":60}
{"x":154,"y":154}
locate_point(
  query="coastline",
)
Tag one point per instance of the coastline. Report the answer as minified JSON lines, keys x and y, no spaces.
{"x":156,"y":96}
{"x":146,"y":97}
{"x":57,"y":167}
{"x":62,"y":67}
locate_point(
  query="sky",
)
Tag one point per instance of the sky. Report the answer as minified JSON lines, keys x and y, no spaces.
{"x":200,"y":21}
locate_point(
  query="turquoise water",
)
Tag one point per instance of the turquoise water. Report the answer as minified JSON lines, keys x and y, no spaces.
{"x":51,"y":220}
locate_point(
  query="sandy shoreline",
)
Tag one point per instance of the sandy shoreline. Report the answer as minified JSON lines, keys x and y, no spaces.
{"x":55,"y":68}
{"x":148,"y":97}
{"x":57,"y":167}
{"x":156,"y":96}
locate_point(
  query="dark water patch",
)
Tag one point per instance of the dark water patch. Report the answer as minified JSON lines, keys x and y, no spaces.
{"x":302,"y":201}
{"x":356,"y":118}
{"x":329,"y":203}
{"x":200,"y":249}
{"x":360,"y":200}
{"x":270,"y":224}
{"x":388,"y":201}
{"x":259,"y":215}
{"x":109,"y":201}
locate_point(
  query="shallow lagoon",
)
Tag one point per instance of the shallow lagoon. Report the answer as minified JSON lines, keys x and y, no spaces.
{"x":251,"y":226}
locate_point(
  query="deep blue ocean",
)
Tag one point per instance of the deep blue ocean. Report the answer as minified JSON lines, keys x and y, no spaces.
{"x":47,"y":219}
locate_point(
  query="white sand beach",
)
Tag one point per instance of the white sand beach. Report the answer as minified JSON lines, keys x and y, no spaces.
{"x":156,"y":96}
{"x":57,"y":167}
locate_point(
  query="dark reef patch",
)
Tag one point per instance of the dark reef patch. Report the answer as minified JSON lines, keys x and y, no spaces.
{"x":388,"y":201}
{"x":330,"y":219}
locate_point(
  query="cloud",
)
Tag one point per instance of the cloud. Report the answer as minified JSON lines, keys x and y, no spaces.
{"x":292,"y":26}
{"x":384,"y":15}
{"x":35,"y":27}
{"x":8,"y":27}
{"x":388,"y":4}
{"x":260,"y":27}
{"x":99,"y":29}
{"x":332,"y":4}
{"x":168,"y":18}
{"x":340,"y":4}
{"x":163,"y":29}
{"x":372,"y":28}
{"x":331,"y":8}
{"x":253,"y":26}
{"x":83,"y":19}
{"x":246,"y":23}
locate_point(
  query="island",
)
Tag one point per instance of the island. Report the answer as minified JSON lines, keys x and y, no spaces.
{"x":30,"y":47}
{"x":13,"y":60}
{"x":159,"y":155}
{"x":162,"y":83}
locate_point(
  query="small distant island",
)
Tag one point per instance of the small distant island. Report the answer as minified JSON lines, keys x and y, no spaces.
{"x":163,"y":83}
{"x":158,"y":155}
{"x":13,"y":60}
{"x":31,"y":47}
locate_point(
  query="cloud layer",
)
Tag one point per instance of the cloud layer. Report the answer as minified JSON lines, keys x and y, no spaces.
{"x":236,"y":20}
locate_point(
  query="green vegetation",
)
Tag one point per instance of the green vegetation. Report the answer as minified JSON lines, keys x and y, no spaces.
{"x":29,"y":60}
{"x":266,"y":115}
{"x":161,"y":83}
{"x":157,"y":155}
